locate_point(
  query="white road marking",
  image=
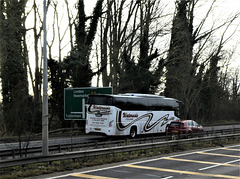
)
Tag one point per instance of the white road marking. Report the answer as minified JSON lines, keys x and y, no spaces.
{"x":167,"y":177}
{"x":213,"y":166}
{"x":157,"y":176}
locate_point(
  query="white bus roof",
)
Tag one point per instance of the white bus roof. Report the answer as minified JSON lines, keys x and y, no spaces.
{"x":160,"y":99}
{"x":142,"y":95}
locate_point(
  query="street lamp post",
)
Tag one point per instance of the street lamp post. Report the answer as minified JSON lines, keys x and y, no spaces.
{"x":45,"y":87}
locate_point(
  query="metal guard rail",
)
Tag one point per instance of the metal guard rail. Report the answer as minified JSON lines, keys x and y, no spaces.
{"x":104,"y":151}
{"x":59,"y":148}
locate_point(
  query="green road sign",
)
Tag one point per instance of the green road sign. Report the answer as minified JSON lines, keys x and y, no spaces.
{"x":76,"y":98}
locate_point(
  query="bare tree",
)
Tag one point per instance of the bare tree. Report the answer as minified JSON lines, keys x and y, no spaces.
{"x":236,"y":86}
{"x":71,"y":22}
{"x":127,"y":30}
{"x":186,"y":61}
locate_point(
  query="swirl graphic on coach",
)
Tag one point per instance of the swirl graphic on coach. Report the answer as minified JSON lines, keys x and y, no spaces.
{"x":122,"y":127}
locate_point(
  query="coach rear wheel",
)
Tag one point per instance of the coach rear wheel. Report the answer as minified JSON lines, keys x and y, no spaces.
{"x":133,"y":132}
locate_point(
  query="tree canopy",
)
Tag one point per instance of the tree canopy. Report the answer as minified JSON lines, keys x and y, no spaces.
{"x":133,"y":46}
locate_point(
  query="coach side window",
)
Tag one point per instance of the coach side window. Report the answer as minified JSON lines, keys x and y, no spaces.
{"x":101,"y":100}
{"x":120,"y":103}
{"x":153,"y":104}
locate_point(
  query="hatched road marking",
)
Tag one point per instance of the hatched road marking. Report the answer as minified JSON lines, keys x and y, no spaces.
{"x":202,"y":162}
{"x":183,"y":172}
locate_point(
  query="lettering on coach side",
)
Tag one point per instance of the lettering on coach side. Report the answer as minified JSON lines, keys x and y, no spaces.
{"x":99,"y":110}
{"x":101,"y":107}
{"x":129,"y":115}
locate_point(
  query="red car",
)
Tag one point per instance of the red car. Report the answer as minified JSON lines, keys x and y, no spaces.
{"x":184,"y":127}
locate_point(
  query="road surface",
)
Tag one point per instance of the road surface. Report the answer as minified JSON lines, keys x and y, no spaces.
{"x":213,"y":163}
